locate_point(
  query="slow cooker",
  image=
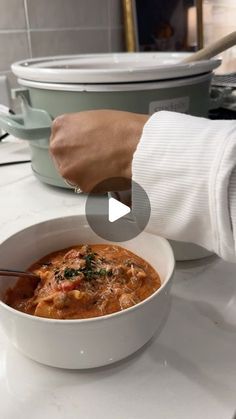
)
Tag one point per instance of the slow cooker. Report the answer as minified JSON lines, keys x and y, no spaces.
{"x":134,"y":82}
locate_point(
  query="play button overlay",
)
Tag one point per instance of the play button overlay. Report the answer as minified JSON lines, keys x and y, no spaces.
{"x":118,"y":216}
{"x":117,"y":210}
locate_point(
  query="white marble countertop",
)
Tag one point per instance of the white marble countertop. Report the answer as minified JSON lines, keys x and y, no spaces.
{"x":189,"y":371}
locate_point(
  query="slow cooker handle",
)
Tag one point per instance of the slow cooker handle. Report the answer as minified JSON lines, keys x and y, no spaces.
{"x":31,"y":124}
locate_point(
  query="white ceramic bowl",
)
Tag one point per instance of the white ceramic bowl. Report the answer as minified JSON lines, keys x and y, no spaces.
{"x":91,"y":342}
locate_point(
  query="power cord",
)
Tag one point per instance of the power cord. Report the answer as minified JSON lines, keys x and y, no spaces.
{"x":5,"y":135}
{"x":10,"y":163}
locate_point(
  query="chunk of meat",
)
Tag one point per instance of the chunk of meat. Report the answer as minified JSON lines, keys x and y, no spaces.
{"x":61,"y":300}
{"x":126,"y":300}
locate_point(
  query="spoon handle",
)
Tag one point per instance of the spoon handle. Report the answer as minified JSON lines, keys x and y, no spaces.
{"x":213,"y":49}
{"x":8,"y":272}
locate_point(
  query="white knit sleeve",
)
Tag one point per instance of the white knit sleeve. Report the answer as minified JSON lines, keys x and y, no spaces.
{"x":186,"y":165}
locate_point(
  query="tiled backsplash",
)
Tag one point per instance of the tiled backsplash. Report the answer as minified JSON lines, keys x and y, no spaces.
{"x":33,"y":28}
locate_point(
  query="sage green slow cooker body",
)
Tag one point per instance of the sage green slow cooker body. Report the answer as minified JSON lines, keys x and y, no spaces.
{"x":188,"y":95}
{"x":138,"y":82}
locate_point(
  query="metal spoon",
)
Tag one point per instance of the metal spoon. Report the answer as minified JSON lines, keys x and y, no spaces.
{"x":8,"y":272}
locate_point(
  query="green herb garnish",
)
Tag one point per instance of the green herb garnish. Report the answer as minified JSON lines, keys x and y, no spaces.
{"x":89,"y":260}
{"x":101,"y":272}
{"x":71,"y":272}
{"x":89,"y":270}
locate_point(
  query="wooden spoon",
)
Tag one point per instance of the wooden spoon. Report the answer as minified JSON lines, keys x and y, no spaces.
{"x":213,"y":49}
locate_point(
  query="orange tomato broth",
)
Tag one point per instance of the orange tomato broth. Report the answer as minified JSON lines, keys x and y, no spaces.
{"x":84,"y":281}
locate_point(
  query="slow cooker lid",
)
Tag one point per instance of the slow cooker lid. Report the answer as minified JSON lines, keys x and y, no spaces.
{"x":110,"y":68}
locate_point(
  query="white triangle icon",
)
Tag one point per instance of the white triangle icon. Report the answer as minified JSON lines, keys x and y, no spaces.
{"x":117,"y":210}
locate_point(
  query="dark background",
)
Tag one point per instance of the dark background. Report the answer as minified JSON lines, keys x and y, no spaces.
{"x":162,"y":24}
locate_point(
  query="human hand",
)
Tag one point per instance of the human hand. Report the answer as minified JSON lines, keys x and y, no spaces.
{"x":94,"y":146}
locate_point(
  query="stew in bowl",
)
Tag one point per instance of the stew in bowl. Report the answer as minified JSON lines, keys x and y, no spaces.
{"x":69,"y":318}
{"x":84,"y":281}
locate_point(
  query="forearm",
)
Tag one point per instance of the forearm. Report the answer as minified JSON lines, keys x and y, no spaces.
{"x":185,"y":164}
